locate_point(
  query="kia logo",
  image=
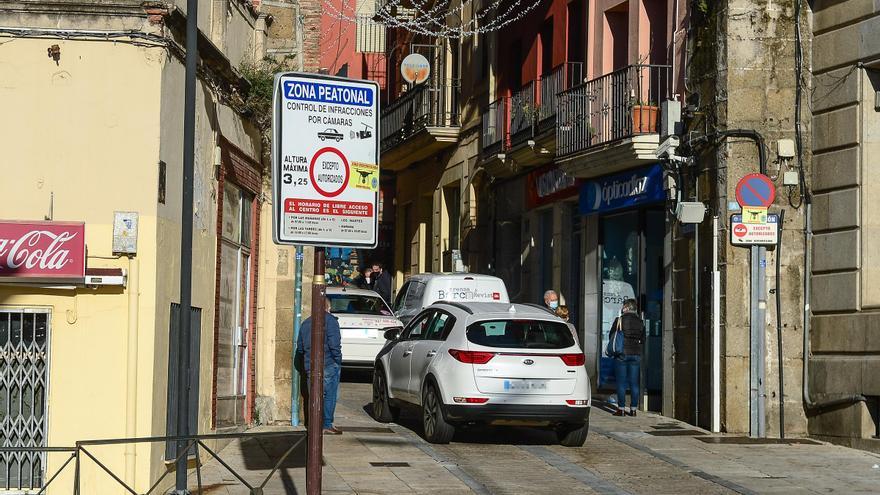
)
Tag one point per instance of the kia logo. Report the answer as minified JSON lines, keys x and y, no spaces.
{"x":528,"y":362}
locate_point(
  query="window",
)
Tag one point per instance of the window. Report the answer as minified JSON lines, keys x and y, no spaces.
{"x":452,"y":195}
{"x":418,"y":327}
{"x":437,"y":330}
{"x":234,"y":305}
{"x":521,"y":334}
{"x":357,"y":305}
{"x":414,"y":295}
{"x":401,"y":295}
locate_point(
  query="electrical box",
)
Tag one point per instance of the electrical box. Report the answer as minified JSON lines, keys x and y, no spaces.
{"x":790,"y":178}
{"x":670,"y":119}
{"x":785,"y":148}
{"x":690,"y":212}
{"x":125,"y":232}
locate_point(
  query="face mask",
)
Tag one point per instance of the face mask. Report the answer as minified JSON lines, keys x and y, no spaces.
{"x":368,"y":279}
{"x":554,"y":304}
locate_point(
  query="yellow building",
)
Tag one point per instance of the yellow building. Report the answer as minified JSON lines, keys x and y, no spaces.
{"x":92,"y":105}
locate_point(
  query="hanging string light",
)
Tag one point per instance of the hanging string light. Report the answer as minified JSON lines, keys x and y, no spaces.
{"x":441,"y":20}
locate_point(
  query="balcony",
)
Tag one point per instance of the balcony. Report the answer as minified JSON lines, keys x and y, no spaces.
{"x":421,"y":122}
{"x":611,"y":122}
{"x":522,"y":125}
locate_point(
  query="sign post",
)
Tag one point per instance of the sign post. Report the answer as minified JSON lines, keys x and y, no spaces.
{"x":325,"y":189}
{"x":756,"y":228}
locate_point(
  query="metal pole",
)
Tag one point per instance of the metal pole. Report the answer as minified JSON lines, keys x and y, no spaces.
{"x":761,"y":339}
{"x":297,"y":317}
{"x":756,"y":340}
{"x":753,"y":345}
{"x":186,"y":230}
{"x":316,"y":380}
{"x":697,"y":311}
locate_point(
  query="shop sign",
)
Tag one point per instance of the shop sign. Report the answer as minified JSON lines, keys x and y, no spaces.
{"x":549,"y":184}
{"x":326,"y":161}
{"x":42,"y":249}
{"x":624,"y":190}
{"x":754,"y":234}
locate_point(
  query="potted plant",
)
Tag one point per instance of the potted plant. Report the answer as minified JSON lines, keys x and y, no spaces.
{"x":644,"y":117}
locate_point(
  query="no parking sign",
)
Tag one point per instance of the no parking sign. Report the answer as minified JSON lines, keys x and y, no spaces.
{"x":325,"y":179}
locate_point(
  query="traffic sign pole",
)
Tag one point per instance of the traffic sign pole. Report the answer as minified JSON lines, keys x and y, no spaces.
{"x":316,"y":380}
{"x":325,"y":192}
{"x":755,"y":193}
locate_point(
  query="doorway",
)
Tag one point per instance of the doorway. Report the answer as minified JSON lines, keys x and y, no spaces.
{"x":631,"y":247}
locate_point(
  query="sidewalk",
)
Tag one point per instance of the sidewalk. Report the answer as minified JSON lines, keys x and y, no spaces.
{"x":647,"y":454}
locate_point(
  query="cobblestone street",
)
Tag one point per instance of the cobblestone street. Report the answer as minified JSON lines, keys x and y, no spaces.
{"x":649,"y":454}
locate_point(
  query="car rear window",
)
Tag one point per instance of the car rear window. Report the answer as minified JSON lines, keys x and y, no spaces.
{"x":521,"y":334}
{"x":358,"y":305}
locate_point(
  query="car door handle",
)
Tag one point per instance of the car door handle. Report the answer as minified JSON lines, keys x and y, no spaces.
{"x":407,"y":353}
{"x":431,"y":354}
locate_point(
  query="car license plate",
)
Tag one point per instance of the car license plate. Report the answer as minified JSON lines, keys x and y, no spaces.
{"x":359,"y":333}
{"x":524,"y":385}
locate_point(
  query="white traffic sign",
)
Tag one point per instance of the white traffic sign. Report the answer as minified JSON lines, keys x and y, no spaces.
{"x":325,"y":160}
{"x":754,"y":234}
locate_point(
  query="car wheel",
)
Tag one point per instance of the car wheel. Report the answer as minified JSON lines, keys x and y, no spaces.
{"x":437,"y":430}
{"x":383,"y":411}
{"x":573,"y":435}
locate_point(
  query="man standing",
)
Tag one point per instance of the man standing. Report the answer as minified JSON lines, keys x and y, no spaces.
{"x":381,"y":282}
{"x":332,"y":361}
{"x":551,"y":300}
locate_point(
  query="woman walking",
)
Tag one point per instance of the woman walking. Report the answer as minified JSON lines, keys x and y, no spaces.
{"x":627,"y":366}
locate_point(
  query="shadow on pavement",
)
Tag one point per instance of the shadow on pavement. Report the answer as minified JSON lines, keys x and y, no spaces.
{"x":357,"y":375}
{"x":410,"y":418}
{"x":261,"y":454}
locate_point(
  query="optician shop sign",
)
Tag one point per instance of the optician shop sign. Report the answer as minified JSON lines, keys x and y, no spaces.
{"x":42,"y":249}
{"x":624,"y":190}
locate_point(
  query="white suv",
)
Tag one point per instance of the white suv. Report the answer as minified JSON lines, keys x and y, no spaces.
{"x":485,"y":363}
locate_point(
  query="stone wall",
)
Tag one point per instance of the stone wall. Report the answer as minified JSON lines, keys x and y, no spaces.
{"x":740,"y":76}
{"x":845,"y":335}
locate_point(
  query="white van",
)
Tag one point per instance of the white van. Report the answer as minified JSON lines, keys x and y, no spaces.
{"x":423,"y":290}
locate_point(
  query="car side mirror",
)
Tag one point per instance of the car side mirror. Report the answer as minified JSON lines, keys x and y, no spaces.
{"x":391,"y":333}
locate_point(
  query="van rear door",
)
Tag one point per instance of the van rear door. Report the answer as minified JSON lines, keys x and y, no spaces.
{"x":465,"y":289}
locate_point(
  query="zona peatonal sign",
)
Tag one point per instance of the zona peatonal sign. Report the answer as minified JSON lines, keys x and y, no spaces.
{"x":325,"y":179}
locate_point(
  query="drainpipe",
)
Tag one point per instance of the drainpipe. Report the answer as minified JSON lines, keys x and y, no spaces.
{"x":131,"y":369}
{"x":809,"y":403}
{"x":716,"y":331}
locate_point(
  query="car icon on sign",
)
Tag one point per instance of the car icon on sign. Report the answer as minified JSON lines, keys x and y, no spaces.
{"x":330,"y":134}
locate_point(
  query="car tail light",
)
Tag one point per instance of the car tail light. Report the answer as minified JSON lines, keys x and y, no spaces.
{"x":577,"y":402}
{"x":472,"y":357}
{"x":471,"y":400}
{"x":577,"y":359}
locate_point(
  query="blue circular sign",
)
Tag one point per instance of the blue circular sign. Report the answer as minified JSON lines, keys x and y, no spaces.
{"x":756,"y":190}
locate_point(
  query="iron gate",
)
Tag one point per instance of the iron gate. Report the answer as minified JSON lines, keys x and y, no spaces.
{"x":24,"y":380}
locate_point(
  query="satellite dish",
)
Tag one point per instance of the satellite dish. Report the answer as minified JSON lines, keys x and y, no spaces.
{"x":415,"y":68}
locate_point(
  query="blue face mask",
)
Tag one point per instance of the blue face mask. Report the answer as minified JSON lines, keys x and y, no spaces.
{"x":553,"y":304}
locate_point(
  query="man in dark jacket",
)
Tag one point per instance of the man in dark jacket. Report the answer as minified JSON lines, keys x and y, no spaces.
{"x":627,"y":367}
{"x":332,"y":361}
{"x":381,"y":282}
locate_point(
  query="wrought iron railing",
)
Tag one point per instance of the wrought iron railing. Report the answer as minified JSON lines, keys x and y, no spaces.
{"x":523,"y":110}
{"x":561,"y":78}
{"x":422,"y":107}
{"x":84,"y":452}
{"x":616,"y":106}
{"x":495,"y":126}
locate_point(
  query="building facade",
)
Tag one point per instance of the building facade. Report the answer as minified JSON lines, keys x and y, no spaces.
{"x":565,"y":191}
{"x":843,"y":387}
{"x":99,"y":132}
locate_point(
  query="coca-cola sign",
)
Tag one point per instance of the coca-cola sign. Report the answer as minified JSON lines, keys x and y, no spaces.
{"x":42,"y":249}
